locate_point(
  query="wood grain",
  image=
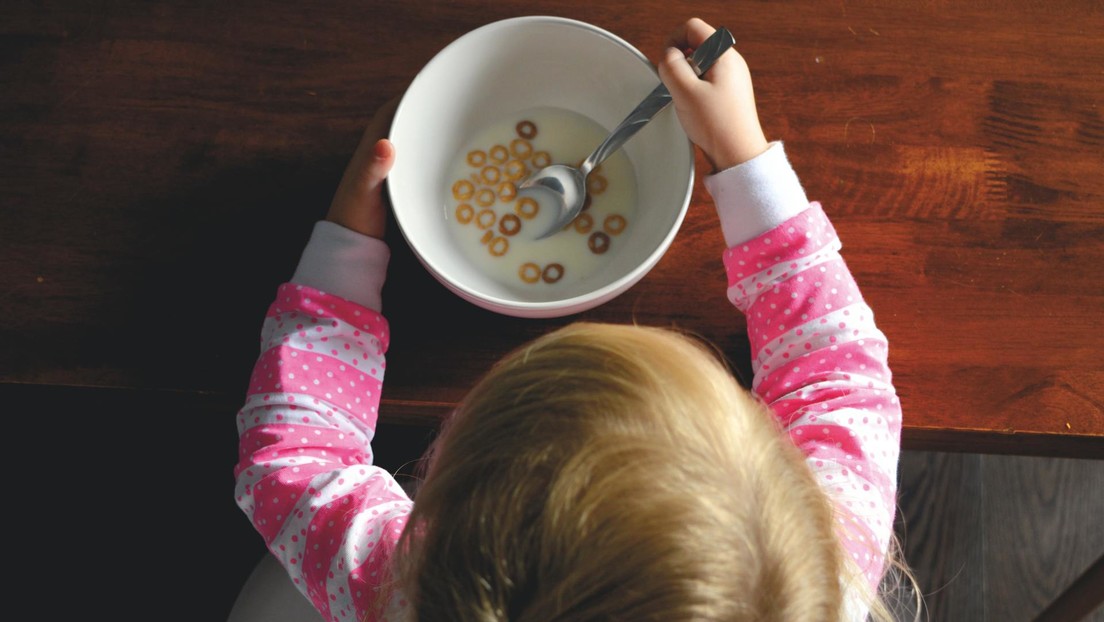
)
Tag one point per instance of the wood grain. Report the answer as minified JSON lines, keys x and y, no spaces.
{"x":161,"y":164}
{"x":1042,"y":525}
{"x":1000,"y":537}
{"x":1080,"y":599}
{"x":939,"y":526}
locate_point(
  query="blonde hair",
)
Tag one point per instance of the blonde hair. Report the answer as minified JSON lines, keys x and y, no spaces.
{"x":618,"y":472}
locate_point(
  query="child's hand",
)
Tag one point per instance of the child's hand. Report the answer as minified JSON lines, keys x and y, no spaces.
{"x":358,"y":203}
{"x":717,"y":112}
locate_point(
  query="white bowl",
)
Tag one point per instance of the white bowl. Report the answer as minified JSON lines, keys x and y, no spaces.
{"x":511,"y":66}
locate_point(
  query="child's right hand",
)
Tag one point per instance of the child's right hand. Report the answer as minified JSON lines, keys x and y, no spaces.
{"x":716,"y":111}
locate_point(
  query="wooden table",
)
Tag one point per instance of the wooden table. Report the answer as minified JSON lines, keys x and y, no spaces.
{"x":161,"y":164}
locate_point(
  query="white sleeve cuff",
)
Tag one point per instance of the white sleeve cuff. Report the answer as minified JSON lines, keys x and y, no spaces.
{"x":756,"y":196}
{"x":345,"y":263}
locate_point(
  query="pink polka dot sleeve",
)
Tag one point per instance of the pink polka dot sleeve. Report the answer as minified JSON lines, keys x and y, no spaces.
{"x":821,"y":364}
{"x":305,"y":476}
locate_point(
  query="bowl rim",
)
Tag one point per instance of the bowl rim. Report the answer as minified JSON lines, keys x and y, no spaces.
{"x":560,"y":306}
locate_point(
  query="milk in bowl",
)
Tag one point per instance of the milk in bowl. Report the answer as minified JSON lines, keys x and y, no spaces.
{"x":497,"y":229}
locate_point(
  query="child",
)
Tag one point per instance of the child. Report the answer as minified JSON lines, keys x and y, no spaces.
{"x":601,"y":471}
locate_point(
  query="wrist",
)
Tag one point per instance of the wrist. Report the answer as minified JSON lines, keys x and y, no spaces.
{"x":747,"y":147}
{"x":370,"y":223}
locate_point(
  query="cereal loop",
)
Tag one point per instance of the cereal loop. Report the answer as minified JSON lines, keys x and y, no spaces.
{"x":477,"y":158}
{"x":587,"y":200}
{"x":527,"y":129}
{"x":507,"y":191}
{"x":529,"y":272}
{"x":485,"y":197}
{"x":487,"y":236}
{"x":598,"y":243}
{"x":541,"y":159}
{"x":490,"y":174}
{"x":464,"y":213}
{"x":509,"y":224}
{"x":515,"y":170}
{"x":499,"y":246}
{"x":583,"y":223}
{"x":485,"y":219}
{"x":499,"y":154}
{"x":552,"y":272}
{"x":527,"y":208}
{"x":596,"y":184}
{"x":521,"y":148}
{"x":463,"y":190}
{"x":614,"y":224}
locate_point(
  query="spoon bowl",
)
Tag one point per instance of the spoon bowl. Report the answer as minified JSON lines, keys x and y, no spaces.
{"x":565,"y":185}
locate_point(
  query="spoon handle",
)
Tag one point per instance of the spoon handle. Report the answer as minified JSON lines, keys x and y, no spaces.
{"x":703,"y":58}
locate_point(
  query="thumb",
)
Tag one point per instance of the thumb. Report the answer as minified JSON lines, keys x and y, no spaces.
{"x":677,"y":74}
{"x":379,"y":164}
{"x":358,"y":203}
{"x":372,"y":157}
{"x":369,"y":166}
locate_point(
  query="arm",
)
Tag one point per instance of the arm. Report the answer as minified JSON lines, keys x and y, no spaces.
{"x":305,"y":475}
{"x":821,"y":364}
{"x":820,"y":361}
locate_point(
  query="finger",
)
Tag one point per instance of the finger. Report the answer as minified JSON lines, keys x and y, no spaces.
{"x":358,"y":203}
{"x":677,"y":74}
{"x":366,"y":174}
{"x":383,"y":158}
{"x":376,"y":129}
{"x":690,"y":34}
{"x":381,"y":122}
{"x":373,"y":214}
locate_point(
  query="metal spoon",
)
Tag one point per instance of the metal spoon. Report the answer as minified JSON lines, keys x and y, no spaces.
{"x":566,"y":185}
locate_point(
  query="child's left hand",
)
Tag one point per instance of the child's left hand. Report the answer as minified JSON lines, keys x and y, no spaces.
{"x":358,"y":203}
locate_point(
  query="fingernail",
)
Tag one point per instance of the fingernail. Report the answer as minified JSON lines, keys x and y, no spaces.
{"x":382,"y":149}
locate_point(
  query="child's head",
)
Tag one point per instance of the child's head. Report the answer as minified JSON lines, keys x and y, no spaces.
{"x":618,"y":472}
